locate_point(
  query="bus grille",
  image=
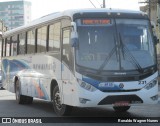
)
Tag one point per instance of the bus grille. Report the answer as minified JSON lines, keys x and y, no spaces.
{"x":117,"y":98}
{"x":132,"y":90}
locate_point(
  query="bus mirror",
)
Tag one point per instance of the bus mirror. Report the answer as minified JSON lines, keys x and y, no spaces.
{"x":73,"y":24}
{"x":156,"y":41}
{"x":74,"y":39}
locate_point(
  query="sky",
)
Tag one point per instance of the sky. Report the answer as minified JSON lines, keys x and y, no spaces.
{"x":43,"y":7}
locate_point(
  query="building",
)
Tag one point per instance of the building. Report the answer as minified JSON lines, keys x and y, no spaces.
{"x":15,"y":13}
{"x":151,"y":9}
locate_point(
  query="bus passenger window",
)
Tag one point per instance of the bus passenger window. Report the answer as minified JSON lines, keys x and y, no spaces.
{"x":14,"y":45}
{"x":4,"y":47}
{"x":22,"y":45}
{"x":7,"y":46}
{"x":41,"y":39}
{"x":31,"y":42}
{"x":54,"y":37}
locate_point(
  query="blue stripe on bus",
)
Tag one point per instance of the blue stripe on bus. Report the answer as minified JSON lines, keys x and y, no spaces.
{"x":96,"y":83}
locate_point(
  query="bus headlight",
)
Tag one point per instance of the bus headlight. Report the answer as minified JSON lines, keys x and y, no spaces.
{"x":151,"y":84}
{"x":86,"y":86}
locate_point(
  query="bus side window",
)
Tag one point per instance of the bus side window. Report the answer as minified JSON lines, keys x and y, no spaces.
{"x":2,"y":47}
{"x":22,"y":45}
{"x":31,"y":42}
{"x":41,"y":39}
{"x":67,"y":49}
{"x":8,"y":42}
{"x":14,"y":45}
{"x":54,"y":37}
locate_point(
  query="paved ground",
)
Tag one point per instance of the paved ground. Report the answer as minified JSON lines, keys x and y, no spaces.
{"x":39,"y":108}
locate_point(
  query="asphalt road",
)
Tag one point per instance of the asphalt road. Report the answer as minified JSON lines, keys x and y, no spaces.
{"x":39,"y":108}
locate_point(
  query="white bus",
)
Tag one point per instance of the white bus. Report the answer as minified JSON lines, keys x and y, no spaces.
{"x":84,"y":58}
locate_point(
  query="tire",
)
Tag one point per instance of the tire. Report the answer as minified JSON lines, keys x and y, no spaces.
{"x":28,"y":100}
{"x":1,"y":88}
{"x":121,"y":108}
{"x":60,"y":109}
{"x":19,"y":98}
{"x":22,"y":99}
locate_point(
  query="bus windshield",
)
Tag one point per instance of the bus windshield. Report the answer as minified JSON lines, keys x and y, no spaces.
{"x":114,"y":45}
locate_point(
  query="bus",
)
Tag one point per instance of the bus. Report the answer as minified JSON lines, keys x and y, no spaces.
{"x":83,"y":58}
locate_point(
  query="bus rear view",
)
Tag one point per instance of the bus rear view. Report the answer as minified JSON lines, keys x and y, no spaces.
{"x":115,"y":59}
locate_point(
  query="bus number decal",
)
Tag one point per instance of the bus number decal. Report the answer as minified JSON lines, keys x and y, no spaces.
{"x":142,"y":82}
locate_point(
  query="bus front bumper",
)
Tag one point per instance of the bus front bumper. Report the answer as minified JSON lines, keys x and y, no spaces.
{"x":98,"y":98}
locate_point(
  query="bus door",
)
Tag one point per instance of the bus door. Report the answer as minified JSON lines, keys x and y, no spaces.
{"x":67,"y":63}
{"x":67,"y":54}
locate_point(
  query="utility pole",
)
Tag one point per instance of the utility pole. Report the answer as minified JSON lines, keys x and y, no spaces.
{"x":149,"y":9}
{"x":104,"y":3}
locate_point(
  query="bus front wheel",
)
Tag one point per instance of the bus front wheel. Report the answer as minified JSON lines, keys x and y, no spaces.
{"x":60,"y":109}
{"x":121,"y":108}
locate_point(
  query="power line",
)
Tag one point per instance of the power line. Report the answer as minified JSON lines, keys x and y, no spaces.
{"x":99,"y":3}
{"x":92,"y":3}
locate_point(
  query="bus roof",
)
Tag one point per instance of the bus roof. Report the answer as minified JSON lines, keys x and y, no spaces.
{"x":68,"y":13}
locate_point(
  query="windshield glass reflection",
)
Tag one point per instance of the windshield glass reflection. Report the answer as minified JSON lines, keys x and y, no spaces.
{"x":122,"y":44}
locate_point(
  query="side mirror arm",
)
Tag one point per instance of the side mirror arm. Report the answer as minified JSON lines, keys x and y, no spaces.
{"x":74,"y":35}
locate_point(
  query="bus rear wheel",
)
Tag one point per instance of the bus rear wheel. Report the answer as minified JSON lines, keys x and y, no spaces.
{"x":121,"y":108}
{"x":60,"y":109}
{"x":22,"y":99}
{"x":28,"y":100}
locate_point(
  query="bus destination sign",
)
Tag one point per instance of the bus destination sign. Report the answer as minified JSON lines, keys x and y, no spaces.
{"x":95,"y":21}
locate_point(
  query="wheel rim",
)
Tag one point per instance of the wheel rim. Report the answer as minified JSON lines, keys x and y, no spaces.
{"x":57,"y":100}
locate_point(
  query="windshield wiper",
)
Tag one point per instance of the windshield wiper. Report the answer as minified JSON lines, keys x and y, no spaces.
{"x":122,"y":45}
{"x":108,"y":57}
{"x":125,"y":51}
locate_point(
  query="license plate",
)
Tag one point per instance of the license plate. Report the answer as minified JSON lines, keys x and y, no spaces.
{"x":107,"y":84}
{"x":121,"y":103}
